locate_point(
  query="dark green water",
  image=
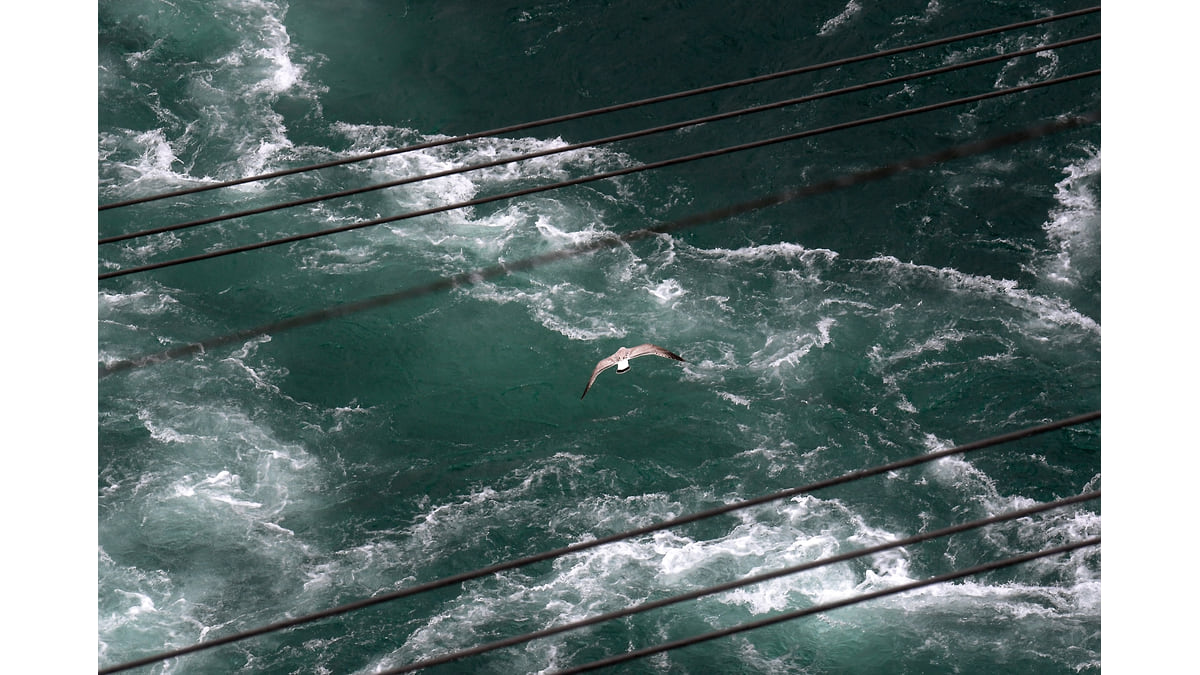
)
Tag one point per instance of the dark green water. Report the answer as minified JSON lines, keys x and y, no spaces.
{"x":307,"y":468}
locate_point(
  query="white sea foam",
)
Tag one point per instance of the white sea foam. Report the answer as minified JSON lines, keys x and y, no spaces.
{"x":932,"y":10}
{"x":162,"y":433}
{"x":852,"y":8}
{"x":1042,"y":311}
{"x":143,"y":303}
{"x":1042,"y":530}
{"x":1073,"y":229}
{"x":254,"y":478}
{"x":1019,"y":72}
{"x":462,"y":187}
{"x":228,"y":485}
{"x":783,"y":352}
{"x":444,"y":524}
{"x":932,"y":343}
{"x":156,"y":161}
{"x":468,"y":238}
{"x":562,"y":238}
{"x":343,"y":260}
{"x":236,"y":93}
{"x":734,"y":398}
{"x":936,"y":351}
{"x":464,"y":238}
{"x":1002,"y":601}
{"x":282,"y":73}
{"x":628,"y":572}
{"x":222,"y":487}
{"x":667,"y":291}
{"x":138,"y":607}
{"x":767,"y":252}
{"x":262,"y":376}
{"x":562,"y":308}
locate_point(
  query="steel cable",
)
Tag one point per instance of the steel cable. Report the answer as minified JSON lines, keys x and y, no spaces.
{"x":600,"y":141}
{"x":608,"y":109}
{"x":1020,"y":434}
{"x":603,"y":176}
{"x":817,"y":609}
{"x":482,"y":274}
{"x":748,"y":581}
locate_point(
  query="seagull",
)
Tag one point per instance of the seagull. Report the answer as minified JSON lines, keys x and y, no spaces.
{"x":621,"y":360}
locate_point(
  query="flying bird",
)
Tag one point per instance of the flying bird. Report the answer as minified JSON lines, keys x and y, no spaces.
{"x":621,"y":360}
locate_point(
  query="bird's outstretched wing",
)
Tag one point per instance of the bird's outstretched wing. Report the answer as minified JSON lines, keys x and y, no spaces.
{"x":604,"y":364}
{"x":648,"y":349}
{"x":640,"y":350}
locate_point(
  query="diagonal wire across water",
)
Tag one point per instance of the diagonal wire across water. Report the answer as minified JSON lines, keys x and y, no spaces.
{"x":478,"y":275}
{"x":593,"y":543}
{"x":602,"y":176}
{"x":609,"y":109}
{"x":602,"y":141}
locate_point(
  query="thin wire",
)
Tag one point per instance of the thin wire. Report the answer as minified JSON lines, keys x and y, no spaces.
{"x":482,"y":274}
{"x":818,"y":609}
{"x":600,"y":141}
{"x":602,"y":176}
{"x":594,"y":543}
{"x":748,"y":581}
{"x":608,"y":109}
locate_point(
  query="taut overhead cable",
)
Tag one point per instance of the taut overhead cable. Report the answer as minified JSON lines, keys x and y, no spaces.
{"x":409,"y":180}
{"x":1020,"y":434}
{"x":819,"y":609}
{"x":607,"y":109}
{"x":602,"y":176}
{"x":482,"y":274}
{"x":748,"y":581}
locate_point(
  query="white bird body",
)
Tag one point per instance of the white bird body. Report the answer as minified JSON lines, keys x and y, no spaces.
{"x":620,"y":359}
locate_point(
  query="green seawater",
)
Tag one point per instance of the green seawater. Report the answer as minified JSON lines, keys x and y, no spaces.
{"x":301,"y":469}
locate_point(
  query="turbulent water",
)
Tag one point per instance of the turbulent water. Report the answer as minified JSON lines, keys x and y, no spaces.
{"x":305,"y":468}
